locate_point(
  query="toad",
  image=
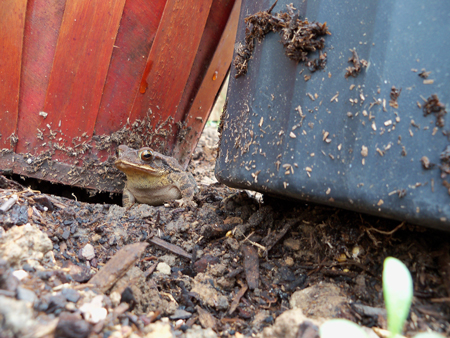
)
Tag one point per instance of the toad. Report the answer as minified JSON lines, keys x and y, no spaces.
{"x":153,"y":178}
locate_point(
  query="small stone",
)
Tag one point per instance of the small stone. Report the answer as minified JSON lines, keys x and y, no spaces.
{"x":88,"y":252}
{"x":71,"y":295}
{"x":94,"y":311}
{"x":26,"y":295}
{"x":285,"y":322}
{"x":28,"y":268}
{"x":66,"y":234}
{"x":72,"y":326}
{"x":319,"y":301}
{"x":20,"y":274}
{"x":180,"y":314}
{"x":164,"y":268}
{"x":169,"y":259}
{"x":56,"y":303}
{"x":71,"y":307}
{"x":45,"y":275}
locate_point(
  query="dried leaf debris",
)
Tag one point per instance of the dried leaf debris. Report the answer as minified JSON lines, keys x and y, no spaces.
{"x":395,"y":93}
{"x":357,"y":64}
{"x":299,"y":38}
{"x":434,"y":106}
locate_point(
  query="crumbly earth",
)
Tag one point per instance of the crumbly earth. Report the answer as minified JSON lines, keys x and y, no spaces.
{"x":238,"y":265}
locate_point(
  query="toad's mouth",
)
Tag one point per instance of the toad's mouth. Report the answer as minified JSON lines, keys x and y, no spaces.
{"x":127,"y":167}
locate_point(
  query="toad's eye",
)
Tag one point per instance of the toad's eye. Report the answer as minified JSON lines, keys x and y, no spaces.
{"x":146,"y":155}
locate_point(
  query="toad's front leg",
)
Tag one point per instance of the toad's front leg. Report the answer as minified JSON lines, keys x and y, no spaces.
{"x":128,"y":198}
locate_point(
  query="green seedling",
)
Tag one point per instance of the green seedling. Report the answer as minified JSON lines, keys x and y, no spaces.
{"x":398,"y":293}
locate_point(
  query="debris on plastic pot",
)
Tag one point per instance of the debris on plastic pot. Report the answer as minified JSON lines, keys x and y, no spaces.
{"x":298,"y":37}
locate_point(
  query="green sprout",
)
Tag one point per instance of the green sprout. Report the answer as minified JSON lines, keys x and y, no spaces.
{"x":398,"y":293}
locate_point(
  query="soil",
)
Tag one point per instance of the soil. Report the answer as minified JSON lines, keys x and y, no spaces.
{"x":238,"y":265}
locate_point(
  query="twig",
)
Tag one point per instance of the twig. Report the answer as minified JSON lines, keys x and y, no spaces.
{"x":246,"y":239}
{"x":388,"y":232}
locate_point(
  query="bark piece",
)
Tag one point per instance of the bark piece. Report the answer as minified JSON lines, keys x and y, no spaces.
{"x":173,"y":248}
{"x":251,"y":266}
{"x":206,"y":319}
{"x":237,"y":299}
{"x":118,"y":265}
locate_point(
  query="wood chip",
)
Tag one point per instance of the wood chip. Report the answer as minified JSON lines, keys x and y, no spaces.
{"x":118,"y":265}
{"x":170,"y":247}
{"x":335,"y":97}
{"x":237,"y":299}
{"x":9,"y":203}
{"x":206,"y":319}
{"x":428,"y":81}
{"x":251,"y":266}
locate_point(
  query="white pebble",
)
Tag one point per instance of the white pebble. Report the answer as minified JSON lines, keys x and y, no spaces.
{"x":164,"y":268}
{"x":88,"y":252}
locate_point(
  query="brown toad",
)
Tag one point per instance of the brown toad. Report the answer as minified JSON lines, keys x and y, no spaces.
{"x":153,"y":178}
